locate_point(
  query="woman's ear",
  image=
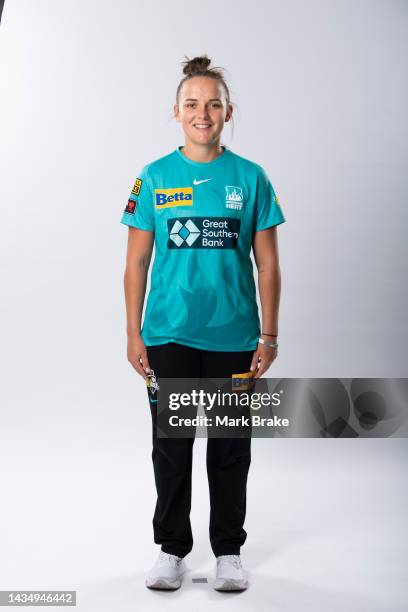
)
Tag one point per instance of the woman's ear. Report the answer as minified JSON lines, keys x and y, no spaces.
{"x":229,"y":113}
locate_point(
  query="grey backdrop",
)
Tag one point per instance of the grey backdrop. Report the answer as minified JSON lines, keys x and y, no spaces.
{"x":87,"y":94}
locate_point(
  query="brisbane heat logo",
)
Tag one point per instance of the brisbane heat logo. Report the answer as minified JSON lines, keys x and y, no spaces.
{"x":234,"y":197}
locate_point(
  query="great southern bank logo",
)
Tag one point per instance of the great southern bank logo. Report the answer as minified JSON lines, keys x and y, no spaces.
{"x":187,"y":232}
{"x":203,"y":233}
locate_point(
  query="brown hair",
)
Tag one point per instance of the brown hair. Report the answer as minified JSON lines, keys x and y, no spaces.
{"x":198,"y":66}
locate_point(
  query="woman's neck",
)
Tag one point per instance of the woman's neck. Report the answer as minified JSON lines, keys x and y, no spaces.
{"x":202,"y":153}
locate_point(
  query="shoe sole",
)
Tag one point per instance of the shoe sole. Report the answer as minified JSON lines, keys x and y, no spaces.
{"x":230,"y":585}
{"x":163,"y":585}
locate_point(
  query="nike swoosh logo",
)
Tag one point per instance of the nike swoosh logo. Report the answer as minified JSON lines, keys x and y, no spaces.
{"x":195,"y":182}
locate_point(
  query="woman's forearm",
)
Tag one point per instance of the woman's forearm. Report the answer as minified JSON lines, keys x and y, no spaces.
{"x":135,"y":280}
{"x":269,"y":284}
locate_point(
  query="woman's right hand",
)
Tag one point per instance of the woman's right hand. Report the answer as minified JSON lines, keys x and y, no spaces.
{"x":136,"y":351}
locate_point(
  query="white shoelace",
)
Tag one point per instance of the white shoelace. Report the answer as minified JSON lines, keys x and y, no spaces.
{"x":172,"y":560}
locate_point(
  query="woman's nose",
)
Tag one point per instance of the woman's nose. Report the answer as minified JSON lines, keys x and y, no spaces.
{"x":203,"y":114}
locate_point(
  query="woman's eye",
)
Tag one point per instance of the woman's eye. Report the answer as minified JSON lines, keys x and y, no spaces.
{"x":191,"y":104}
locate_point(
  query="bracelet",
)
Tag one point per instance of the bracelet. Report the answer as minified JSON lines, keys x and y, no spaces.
{"x":274,"y":335}
{"x":270,"y":344}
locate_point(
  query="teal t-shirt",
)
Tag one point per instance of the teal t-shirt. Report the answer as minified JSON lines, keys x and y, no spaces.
{"x":204,"y":216}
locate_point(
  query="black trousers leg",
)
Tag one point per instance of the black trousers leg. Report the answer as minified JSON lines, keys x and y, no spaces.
{"x":228,"y":461}
{"x":172,"y":457}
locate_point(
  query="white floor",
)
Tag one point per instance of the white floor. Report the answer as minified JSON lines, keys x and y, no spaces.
{"x":326,"y":522}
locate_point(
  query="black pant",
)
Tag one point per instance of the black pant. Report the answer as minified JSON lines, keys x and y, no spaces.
{"x":228,"y":459}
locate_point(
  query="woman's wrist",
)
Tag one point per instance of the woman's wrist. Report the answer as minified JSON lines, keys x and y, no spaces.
{"x":268,"y":341}
{"x":133,"y":333}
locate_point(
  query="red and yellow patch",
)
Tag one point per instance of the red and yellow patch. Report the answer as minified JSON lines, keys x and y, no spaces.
{"x":131,"y":207}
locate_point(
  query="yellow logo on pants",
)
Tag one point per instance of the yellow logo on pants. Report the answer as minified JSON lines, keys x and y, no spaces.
{"x":243,"y":382}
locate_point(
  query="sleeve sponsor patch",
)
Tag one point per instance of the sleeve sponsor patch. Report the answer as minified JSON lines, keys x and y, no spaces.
{"x":137,"y":186}
{"x":131,"y":207}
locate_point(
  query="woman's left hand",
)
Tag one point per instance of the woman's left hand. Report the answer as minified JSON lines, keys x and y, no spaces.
{"x":262,"y":358}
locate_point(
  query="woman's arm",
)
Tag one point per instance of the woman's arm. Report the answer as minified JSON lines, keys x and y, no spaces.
{"x":139,"y":252}
{"x":265,"y":247}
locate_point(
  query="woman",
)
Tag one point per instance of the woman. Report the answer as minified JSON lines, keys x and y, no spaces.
{"x":204,"y":207}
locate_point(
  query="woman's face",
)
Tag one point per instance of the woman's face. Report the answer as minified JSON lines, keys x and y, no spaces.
{"x":202,"y":110}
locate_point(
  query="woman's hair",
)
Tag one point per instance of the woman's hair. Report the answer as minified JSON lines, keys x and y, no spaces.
{"x":199,"y":66}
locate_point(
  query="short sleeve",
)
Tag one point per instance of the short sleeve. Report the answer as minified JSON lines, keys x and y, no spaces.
{"x":139,"y":211}
{"x":267,"y":211}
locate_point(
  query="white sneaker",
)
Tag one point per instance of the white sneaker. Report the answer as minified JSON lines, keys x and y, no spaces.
{"x":230,"y":574}
{"x":166,"y":572}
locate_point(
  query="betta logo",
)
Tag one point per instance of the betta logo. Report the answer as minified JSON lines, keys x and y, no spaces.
{"x":178,"y":196}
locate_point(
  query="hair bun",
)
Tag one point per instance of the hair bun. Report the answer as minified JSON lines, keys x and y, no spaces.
{"x":199,"y":66}
{"x":196,"y":65}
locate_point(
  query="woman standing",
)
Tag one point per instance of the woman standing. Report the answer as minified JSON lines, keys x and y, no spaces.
{"x":204,"y":207}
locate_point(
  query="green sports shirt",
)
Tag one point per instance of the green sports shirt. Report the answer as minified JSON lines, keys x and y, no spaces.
{"x":204,"y":216}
